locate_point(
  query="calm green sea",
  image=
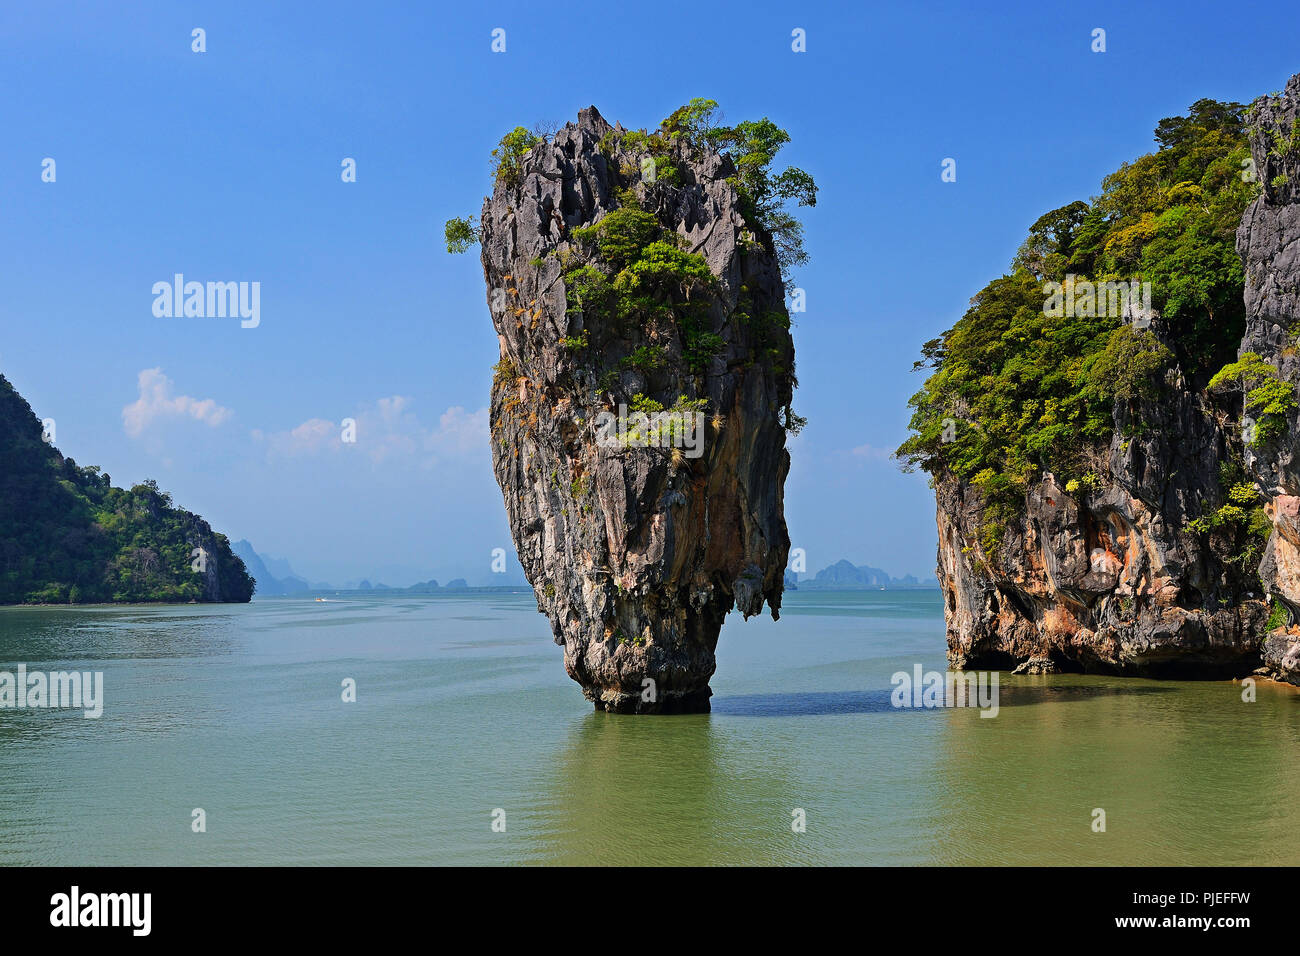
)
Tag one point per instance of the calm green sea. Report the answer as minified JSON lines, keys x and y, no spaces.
{"x":463,"y":708}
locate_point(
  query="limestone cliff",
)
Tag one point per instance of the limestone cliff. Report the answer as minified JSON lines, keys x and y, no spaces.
{"x":1269,"y":243}
{"x":1105,"y":579}
{"x":1118,"y":574}
{"x":637,"y":541}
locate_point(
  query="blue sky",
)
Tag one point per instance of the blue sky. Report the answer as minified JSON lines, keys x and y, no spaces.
{"x":225,"y":165}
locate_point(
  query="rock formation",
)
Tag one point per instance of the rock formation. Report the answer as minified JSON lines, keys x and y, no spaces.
{"x":1269,"y":243}
{"x":1107,"y":577}
{"x":638,"y":541}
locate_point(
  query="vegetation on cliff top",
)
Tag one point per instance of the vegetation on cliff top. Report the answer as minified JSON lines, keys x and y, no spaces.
{"x":1018,"y":388}
{"x":68,"y":536}
{"x":630,"y":272}
{"x":751,"y":145}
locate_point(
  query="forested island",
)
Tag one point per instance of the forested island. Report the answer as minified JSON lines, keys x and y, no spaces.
{"x":1111,"y":427}
{"x":67,"y":536}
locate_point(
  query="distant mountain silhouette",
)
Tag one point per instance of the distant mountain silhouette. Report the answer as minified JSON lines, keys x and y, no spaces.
{"x":845,"y":576}
{"x":267,"y":584}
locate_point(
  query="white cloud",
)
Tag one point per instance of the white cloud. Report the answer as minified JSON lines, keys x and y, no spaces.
{"x":312,"y":436}
{"x":460,"y":432}
{"x":391,"y":409}
{"x":387,"y":431}
{"x":158,"y":403}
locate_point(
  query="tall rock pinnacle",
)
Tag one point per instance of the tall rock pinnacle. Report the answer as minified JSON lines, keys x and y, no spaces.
{"x":646,"y":361}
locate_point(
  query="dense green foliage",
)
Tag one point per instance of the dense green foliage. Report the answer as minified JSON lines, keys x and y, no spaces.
{"x":1018,"y":388}
{"x":649,"y":279}
{"x":1278,"y":616}
{"x":1265,"y":397}
{"x":68,"y":536}
{"x":507,"y":158}
{"x":460,"y":235}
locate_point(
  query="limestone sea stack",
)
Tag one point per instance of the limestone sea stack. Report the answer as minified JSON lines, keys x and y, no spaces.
{"x":637,"y":409}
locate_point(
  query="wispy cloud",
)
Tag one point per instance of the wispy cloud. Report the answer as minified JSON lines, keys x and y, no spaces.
{"x":311,"y":437}
{"x":460,"y":432}
{"x":870,"y":453}
{"x":386,"y":430}
{"x":159,"y":403}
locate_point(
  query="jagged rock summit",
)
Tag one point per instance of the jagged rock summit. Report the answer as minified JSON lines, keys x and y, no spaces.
{"x":636,"y":411}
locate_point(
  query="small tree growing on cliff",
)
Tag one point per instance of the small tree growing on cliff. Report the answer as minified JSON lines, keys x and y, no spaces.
{"x":507,"y":158}
{"x":752,"y":146}
{"x":460,"y":235}
{"x":1238,"y":529}
{"x":1264,"y":395}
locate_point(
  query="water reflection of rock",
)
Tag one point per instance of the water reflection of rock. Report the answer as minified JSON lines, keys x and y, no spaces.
{"x":689,"y":789}
{"x":1186,"y":773}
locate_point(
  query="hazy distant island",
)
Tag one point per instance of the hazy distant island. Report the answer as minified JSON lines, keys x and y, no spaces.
{"x":268,"y":584}
{"x":843,"y":575}
{"x":67,"y":536}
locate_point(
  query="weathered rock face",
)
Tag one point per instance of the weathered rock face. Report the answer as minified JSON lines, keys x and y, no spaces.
{"x":1106,"y":578}
{"x":636,"y":554}
{"x":1269,"y":243}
